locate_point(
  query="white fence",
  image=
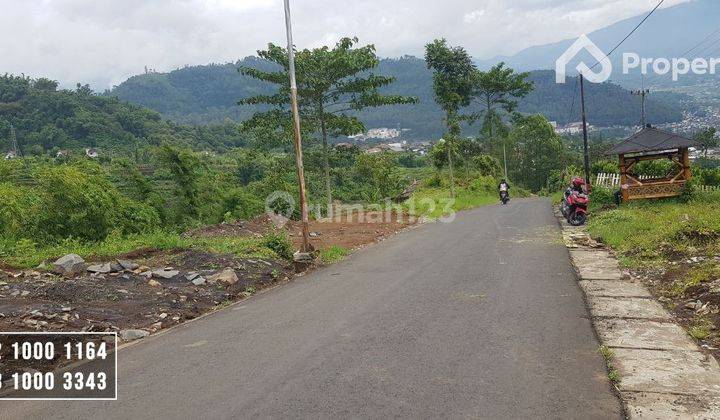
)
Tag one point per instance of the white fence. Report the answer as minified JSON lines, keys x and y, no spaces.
{"x":613,"y":181}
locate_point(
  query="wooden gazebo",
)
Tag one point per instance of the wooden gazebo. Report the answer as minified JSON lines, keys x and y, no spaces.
{"x":653,"y":144}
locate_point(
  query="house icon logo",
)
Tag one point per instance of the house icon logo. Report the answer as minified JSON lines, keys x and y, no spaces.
{"x":584,"y":43}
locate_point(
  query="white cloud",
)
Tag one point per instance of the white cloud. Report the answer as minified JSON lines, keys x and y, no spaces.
{"x":474,"y":16}
{"x":104,"y":42}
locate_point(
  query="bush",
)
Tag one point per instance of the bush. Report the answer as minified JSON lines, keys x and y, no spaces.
{"x":239,"y":204}
{"x":74,"y":203}
{"x":278,"y":242}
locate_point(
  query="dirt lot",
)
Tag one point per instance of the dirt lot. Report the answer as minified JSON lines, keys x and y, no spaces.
{"x":348,"y":232}
{"x":158,"y":292}
{"x":697,"y":308}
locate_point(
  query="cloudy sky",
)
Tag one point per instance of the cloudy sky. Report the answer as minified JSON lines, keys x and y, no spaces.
{"x":102,"y":42}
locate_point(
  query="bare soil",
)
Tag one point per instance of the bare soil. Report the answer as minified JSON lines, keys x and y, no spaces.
{"x":37,"y":300}
{"x":696,"y":305}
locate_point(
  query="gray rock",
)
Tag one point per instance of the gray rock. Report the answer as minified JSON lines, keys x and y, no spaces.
{"x":226,"y":276}
{"x":69,"y":265}
{"x":130,"y":335}
{"x":199,"y":281}
{"x":165,"y":274}
{"x":100,"y":268}
{"x":192,"y":276}
{"x":128,"y":265}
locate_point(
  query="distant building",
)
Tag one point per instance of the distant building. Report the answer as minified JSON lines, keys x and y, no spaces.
{"x":92,"y":153}
{"x":61,"y":154}
{"x":572,"y":128}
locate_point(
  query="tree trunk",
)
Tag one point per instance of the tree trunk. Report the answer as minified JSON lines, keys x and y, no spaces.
{"x":326,"y":165}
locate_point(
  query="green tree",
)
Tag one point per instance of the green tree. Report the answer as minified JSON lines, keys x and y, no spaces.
{"x":332,"y":83}
{"x":453,"y":76}
{"x":498,"y":91}
{"x":708,"y":139}
{"x":537,"y":151}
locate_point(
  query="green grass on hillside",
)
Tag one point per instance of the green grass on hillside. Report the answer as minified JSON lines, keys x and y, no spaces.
{"x":656,"y":230}
{"x":433,"y":199}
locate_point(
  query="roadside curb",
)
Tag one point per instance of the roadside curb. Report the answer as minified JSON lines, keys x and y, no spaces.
{"x":661,"y":371}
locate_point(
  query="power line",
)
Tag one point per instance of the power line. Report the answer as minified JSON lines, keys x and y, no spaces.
{"x":700,"y":43}
{"x":630,"y":34}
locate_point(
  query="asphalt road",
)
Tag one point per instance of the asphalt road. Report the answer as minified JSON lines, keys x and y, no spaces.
{"x":479,"y":318}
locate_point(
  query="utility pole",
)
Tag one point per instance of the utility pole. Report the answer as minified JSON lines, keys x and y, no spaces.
{"x":642,"y":94}
{"x":585,"y":132}
{"x":298,"y":136}
{"x":13,"y":141}
{"x":505,"y":159}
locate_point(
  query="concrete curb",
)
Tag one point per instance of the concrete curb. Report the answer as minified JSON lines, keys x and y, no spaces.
{"x":662,"y":372}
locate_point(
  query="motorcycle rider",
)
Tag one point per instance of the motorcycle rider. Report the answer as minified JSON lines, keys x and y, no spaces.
{"x":503,"y":187}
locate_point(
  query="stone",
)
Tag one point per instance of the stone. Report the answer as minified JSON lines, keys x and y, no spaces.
{"x":227,"y":276}
{"x":131,"y":335}
{"x":192,"y":275}
{"x":154,"y":283}
{"x":128,"y":265}
{"x":605,"y":307}
{"x":643,"y":405}
{"x":303,"y":257}
{"x":163,"y":315}
{"x":100,"y":268}
{"x":165,"y":274}
{"x":69,"y":265}
{"x":595,"y":265}
{"x":199,"y":281}
{"x":662,"y":371}
{"x":613,"y":288}
{"x":643,"y":334}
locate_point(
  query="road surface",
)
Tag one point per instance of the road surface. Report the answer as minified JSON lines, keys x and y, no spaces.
{"x":479,"y":318}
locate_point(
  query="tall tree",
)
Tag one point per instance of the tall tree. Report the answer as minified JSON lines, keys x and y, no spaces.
{"x":453,"y":75}
{"x":498,"y":90}
{"x":708,"y":139}
{"x":332,"y":83}
{"x":537,"y":151}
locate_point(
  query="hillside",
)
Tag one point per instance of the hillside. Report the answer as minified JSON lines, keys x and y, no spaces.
{"x":207,"y":94}
{"x":47,"y":120}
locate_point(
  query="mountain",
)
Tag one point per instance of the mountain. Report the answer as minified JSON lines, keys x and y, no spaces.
{"x":669,"y":33}
{"x":208,"y":94}
{"x":47,"y":119}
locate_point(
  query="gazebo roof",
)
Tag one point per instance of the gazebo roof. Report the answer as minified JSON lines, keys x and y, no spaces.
{"x":651,"y":139}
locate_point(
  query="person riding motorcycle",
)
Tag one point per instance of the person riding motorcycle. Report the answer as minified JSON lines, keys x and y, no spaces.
{"x":503,"y":187}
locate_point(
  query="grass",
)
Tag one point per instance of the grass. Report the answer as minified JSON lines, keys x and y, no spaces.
{"x":27,"y":254}
{"x":333,"y":254}
{"x":654,"y":231}
{"x":701,"y":273}
{"x":434,"y":203}
{"x":433,"y":199}
{"x":608,"y":355}
{"x":701,"y":328}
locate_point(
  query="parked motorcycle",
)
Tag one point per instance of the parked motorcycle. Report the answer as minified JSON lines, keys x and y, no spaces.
{"x":504,"y":197}
{"x":575,"y":207}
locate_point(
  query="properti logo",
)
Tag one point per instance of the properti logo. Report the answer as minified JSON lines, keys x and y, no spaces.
{"x":676,"y":67}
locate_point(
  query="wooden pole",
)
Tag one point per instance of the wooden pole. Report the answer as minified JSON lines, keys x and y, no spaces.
{"x":585,"y":132}
{"x":297,"y":133}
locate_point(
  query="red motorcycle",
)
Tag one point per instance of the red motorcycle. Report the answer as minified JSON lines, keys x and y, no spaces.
{"x":575,"y":203}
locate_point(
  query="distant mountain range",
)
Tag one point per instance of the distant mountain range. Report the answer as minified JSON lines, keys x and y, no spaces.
{"x":669,"y":33}
{"x":209,"y":94}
